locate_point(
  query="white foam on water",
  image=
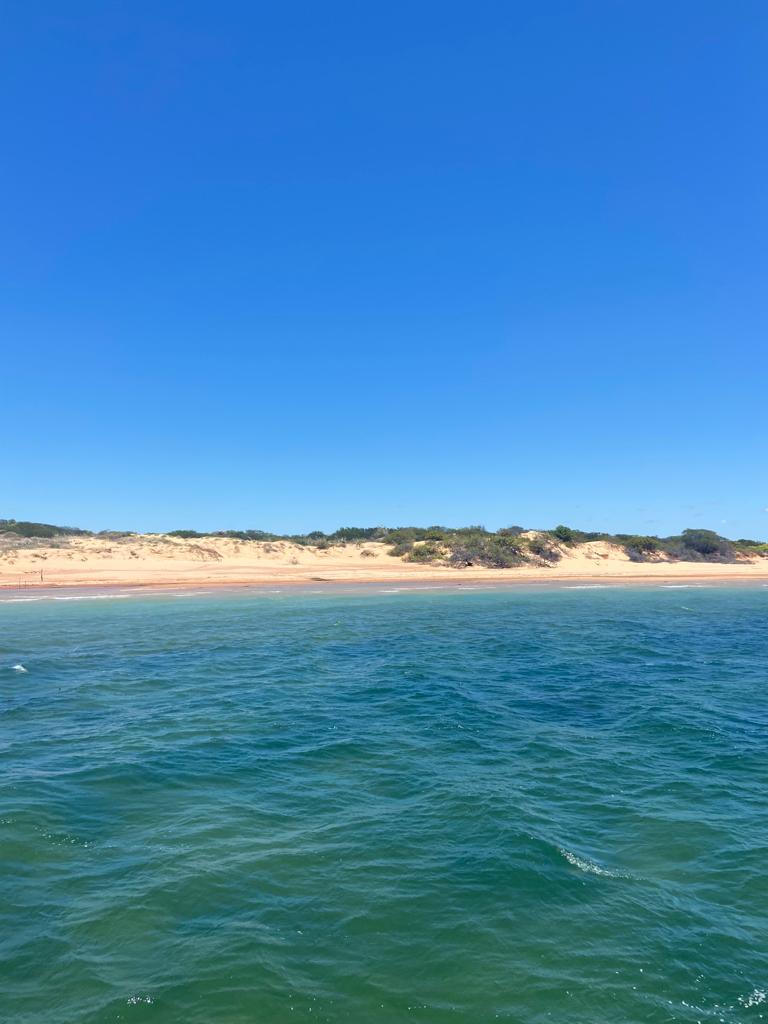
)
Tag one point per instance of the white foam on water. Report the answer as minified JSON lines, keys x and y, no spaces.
{"x":587,"y":866}
{"x":438,"y":586}
{"x":19,"y":668}
{"x":590,"y":586}
{"x":69,"y":597}
{"x":755,"y":998}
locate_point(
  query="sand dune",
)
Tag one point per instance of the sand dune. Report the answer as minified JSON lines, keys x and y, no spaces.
{"x":161,"y":560}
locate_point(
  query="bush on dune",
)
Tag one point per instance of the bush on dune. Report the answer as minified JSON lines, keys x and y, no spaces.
{"x":40,"y":530}
{"x":258,"y":535}
{"x":542,"y":547}
{"x":492,"y":551}
{"x":458,"y":546}
{"x":639,"y":548}
{"x":567,"y":535}
{"x":751,"y":547}
{"x":564,"y":534}
{"x":350,"y":534}
{"x":700,"y":546}
{"x":426,"y":551}
{"x":464,"y":546}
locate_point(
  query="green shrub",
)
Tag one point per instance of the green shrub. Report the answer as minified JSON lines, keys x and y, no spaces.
{"x":466,"y":545}
{"x":260,"y":535}
{"x":751,"y":547}
{"x":542,"y":547}
{"x":401,"y":548}
{"x":490,"y":550}
{"x":568,"y":536}
{"x":428,"y":551}
{"x":347,"y":534}
{"x":700,"y":546}
{"x":436,"y":533}
{"x":40,"y":530}
{"x":564,"y":534}
{"x":639,"y":548}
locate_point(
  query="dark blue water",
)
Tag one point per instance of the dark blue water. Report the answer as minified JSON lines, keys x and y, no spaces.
{"x":524,"y":804}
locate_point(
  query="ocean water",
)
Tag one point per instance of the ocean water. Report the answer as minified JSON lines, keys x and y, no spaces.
{"x":382,"y":805}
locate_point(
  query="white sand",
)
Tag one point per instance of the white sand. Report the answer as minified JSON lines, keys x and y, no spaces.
{"x":160,"y":560}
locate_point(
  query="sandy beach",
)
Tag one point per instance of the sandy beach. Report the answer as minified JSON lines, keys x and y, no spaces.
{"x":160,"y":560}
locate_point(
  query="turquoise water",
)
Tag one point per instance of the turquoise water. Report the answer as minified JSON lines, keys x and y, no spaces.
{"x":532,"y":804}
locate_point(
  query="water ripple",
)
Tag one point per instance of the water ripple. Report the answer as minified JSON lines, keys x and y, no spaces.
{"x":522,"y":805}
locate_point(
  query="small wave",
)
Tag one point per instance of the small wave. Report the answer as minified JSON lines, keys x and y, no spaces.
{"x":438,"y":586}
{"x":56,"y":597}
{"x":135,"y":1000}
{"x":19,"y":668}
{"x":590,"y":586}
{"x":755,"y":998}
{"x":588,"y":866}
{"x":61,"y":838}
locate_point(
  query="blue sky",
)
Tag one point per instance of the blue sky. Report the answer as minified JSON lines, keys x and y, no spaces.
{"x":293,"y":266}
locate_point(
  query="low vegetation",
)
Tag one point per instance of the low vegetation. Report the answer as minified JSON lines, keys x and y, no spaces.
{"x":44,"y":530}
{"x":454,"y":546}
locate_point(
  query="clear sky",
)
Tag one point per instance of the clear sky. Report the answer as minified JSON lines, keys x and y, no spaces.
{"x":300,"y":265}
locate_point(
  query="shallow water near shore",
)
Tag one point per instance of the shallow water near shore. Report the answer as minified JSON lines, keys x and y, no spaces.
{"x":385,"y":804}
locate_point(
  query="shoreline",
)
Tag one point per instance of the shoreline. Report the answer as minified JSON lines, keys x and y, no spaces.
{"x":167,"y":564}
{"x":404,"y":582}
